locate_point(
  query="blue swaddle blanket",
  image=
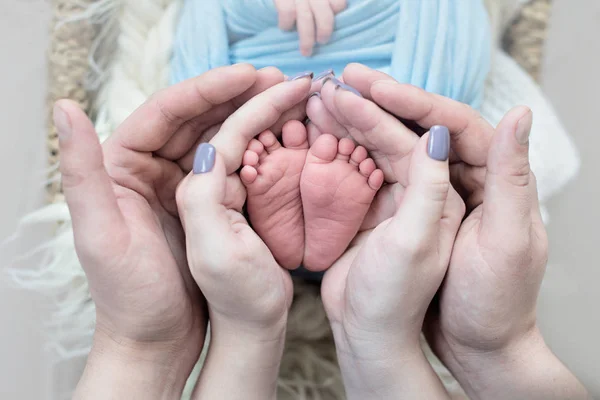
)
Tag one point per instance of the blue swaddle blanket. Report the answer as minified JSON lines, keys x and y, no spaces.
{"x":442,"y":46}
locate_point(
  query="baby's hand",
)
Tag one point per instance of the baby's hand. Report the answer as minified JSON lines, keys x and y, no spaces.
{"x":314,"y":19}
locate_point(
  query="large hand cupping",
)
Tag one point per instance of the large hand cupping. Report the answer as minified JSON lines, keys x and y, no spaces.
{"x":127,"y":230}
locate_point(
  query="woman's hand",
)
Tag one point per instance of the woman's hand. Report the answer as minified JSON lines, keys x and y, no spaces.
{"x":376,"y":296}
{"x":484,"y":323}
{"x":314,"y":20}
{"x":149,"y":311}
{"x":248,"y":293}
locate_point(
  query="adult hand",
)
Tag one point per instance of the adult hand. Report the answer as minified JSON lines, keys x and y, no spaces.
{"x":484,"y":328}
{"x":484,"y":324}
{"x":248,"y":293}
{"x":121,"y":196}
{"x":369,"y":293}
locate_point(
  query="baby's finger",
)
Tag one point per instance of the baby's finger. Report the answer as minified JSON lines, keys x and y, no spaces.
{"x":305,"y":23}
{"x":324,"y":18}
{"x":286,"y":10}
{"x":338,"y":5}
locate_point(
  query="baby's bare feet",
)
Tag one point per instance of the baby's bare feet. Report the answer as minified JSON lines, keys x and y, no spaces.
{"x":271,"y":174}
{"x":338,"y":184}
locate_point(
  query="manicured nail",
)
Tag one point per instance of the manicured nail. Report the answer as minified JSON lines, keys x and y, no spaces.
{"x":324,"y":74}
{"x":315,"y":94}
{"x":204,"y":160}
{"x":438,"y":147}
{"x":341,"y":85}
{"x":301,"y":75}
{"x":62,"y":123}
{"x":524,"y":128}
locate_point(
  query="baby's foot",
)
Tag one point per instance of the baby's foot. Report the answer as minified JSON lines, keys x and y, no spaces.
{"x":271,"y":175}
{"x":338,"y":184}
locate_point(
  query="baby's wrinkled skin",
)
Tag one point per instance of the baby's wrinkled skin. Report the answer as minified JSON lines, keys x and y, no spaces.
{"x":314,"y":20}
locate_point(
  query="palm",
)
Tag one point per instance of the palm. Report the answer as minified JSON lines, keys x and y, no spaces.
{"x":336,"y":282}
{"x":156,"y":292}
{"x":466,"y":297}
{"x":476,"y":285}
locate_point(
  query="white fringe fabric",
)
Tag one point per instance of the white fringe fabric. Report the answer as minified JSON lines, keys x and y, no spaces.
{"x":126,"y":74}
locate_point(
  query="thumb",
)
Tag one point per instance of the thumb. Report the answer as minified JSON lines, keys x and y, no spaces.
{"x":424,"y":202}
{"x":87,"y":187}
{"x":509,"y":192}
{"x":201,"y":202}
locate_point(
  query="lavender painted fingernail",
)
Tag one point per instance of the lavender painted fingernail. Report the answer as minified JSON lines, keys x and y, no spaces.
{"x":438,"y":147}
{"x":341,"y":85}
{"x":315,"y":94}
{"x":324,"y":74}
{"x":301,"y":75}
{"x":204,"y":160}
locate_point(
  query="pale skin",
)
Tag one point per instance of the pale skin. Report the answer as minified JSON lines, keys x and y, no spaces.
{"x":109,"y":373}
{"x":314,"y":20}
{"x":307,"y":203}
{"x":499,"y":255}
{"x":151,"y":321}
{"x":248,"y":293}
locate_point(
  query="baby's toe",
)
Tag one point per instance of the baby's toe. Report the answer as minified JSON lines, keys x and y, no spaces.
{"x":325,"y":148}
{"x":345,"y":148}
{"x":376,"y":179}
{"x":248,"y":175}
{"x":269,"y":141}
{"x":358,"y":156}
{"x":295,"y":135}
{"x":256,"y":146}
{"x":250,"y":158}
{"x":367,"y":167}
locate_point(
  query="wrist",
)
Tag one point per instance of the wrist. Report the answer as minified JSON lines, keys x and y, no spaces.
{"x":256,"y":345}
{"x":250,"y":357}
{"x":523,"y":368}
{"x":121,"y":368}
{"x":377,"y":366}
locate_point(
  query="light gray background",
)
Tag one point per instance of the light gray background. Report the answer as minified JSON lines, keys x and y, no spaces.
{"x":568,"y":310}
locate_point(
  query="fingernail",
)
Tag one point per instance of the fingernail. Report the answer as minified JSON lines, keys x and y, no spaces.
{"x":301,"y":75}
{"x":204,"y":160}
{"x":524,"y":128}
{"x":438,"y":147}
{"x":324,"y":74}
{"x":62,"y":123}
{"x":341,"y":85}
{"x":315,"y":94}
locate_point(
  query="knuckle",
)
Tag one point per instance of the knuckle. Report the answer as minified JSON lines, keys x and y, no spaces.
{"x":72,"y":178}
{"x":163,"y":110}
{"x":437,"y":190}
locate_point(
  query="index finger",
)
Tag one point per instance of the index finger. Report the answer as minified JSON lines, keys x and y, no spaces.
{"x":152,"y":125}
{"x":470,"y":133}
{"x":256,"y":116}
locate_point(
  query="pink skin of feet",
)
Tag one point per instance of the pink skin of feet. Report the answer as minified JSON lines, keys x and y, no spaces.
{"x":308,"y":204}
